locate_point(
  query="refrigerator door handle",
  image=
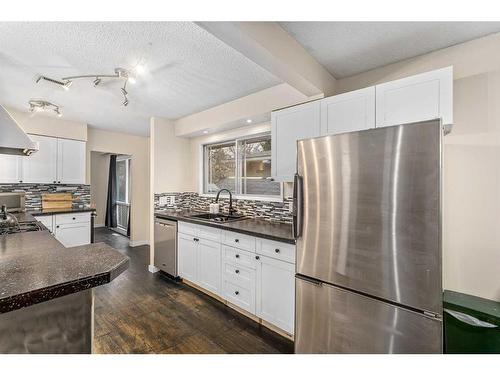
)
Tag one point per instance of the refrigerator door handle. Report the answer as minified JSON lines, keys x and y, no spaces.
{"x":297,"y":205}
{"x":309,"y":280}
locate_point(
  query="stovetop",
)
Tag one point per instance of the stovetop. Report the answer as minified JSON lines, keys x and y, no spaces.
{"x":22,"y":227}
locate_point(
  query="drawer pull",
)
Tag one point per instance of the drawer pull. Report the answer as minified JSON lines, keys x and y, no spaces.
{"x":257,"y":257}
{"x":237,"y":255}
{"x":237,"y":271}
{"x":196,"y":239}
{"x":236,"y":240}
{"x":276,"y":251}
{"x":236,"y":292}
{"x":74,"y":218}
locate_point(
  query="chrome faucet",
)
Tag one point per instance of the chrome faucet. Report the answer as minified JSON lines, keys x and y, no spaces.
{"x":231,"y":210}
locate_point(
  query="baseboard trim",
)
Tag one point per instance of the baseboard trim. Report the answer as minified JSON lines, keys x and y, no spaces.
{"x":153,"y":269}
{"x":138,"y":243}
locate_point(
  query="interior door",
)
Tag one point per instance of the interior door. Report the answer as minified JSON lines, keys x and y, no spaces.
{"x":371,"y":212}
{"x":41,"y":166}
{"x":334,"y":320}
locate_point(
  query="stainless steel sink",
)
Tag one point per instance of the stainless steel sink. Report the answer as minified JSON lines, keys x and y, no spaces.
{"x":220,"y":218}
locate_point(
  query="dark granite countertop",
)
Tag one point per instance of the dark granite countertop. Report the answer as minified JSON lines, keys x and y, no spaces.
{"x":35,"y":267}
{"x":255,"y":227}
{"x":55,"y":211}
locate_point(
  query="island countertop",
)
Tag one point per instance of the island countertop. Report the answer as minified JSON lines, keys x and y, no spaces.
{"x":35,"y":267}
{"x":276,"y":231}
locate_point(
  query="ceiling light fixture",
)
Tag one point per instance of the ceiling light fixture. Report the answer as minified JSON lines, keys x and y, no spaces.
{"x":205,"y":131}
{"x":65,"y":84}
{"x":249,"y":121}
{"x":37,"y":105}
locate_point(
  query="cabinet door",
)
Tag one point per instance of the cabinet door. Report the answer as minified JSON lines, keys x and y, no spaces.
{"x":348,"y":112}
{"x":47,"y":220}
{"x":209,"y":265}
{"x":187,"y":254}
{"x":41,"y":166}
{"x":276,"y":293}
{"x":11,"y":169}
{"x":421,"y":97}
{"x":70,"y":161}
{"x":288,"y":126}
{"x":73,"y":234}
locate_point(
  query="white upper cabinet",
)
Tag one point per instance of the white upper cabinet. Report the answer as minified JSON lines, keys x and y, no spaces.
{"x":57,"y":160}
{"x":417,"y":98}
{"x":41,"y":167}
{"x":348,"y":112}
{"x":11,"y":169}
{"x":288,"y":126}
{"x":70,"y":161}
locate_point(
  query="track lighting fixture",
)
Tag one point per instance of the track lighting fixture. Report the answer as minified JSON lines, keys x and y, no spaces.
{"x":127,"y":75}
{"x":37,"y":105}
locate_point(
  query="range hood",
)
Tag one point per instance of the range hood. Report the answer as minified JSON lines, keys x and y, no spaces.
{"x":13,"y":139}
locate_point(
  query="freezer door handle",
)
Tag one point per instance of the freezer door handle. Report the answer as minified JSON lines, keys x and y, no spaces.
{"x":297,"y":205}
{"x":309,"y":280}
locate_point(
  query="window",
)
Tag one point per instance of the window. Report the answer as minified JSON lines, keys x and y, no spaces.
{"x":243,"y":166}
{"x":122,"y":192}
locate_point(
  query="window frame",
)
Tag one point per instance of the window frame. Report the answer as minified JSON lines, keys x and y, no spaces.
{"x":203,"y":172}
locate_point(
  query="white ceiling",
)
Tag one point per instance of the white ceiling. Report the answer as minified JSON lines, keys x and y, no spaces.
{"x":188,"y":70}
{"x":348,"y":48}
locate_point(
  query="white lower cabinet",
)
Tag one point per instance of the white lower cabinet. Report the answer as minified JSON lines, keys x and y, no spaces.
{"x":208,"y":264}
{"x":254,"y":274}
{"x":187,"y":249}
{"x":276,"y":292}
{"x":69,"y":229}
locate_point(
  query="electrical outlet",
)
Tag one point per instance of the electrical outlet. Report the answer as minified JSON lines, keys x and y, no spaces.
{"x":172,"y":199}
{"x":164,"y":200}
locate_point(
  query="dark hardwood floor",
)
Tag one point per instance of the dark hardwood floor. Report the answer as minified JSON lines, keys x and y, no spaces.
{"x":141,"y":312}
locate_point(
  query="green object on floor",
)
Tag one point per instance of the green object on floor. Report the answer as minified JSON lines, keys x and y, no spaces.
{"x":471,"y":324}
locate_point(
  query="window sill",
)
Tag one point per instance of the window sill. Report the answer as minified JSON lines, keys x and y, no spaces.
{"x":245,"y":197}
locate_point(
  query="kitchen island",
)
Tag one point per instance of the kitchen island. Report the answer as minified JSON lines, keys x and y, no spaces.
{"x":46,"y":295}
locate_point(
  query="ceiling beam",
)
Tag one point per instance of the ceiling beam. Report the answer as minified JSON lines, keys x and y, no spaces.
{"x":256,"y":107}
{"x":271,"y":47}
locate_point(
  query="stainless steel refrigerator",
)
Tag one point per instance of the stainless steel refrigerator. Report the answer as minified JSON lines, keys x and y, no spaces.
{"x":368,"y":228}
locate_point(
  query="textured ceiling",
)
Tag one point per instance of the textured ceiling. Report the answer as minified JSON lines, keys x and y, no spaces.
{"x":188,"y":70}
{"x":348,"y":48}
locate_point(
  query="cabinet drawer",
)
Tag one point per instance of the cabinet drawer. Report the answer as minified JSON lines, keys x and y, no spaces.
{"x":80,"y":217}
{"x":241,"y":241}
{"x":187,"y":228}
{"x":208,"y":233}
{"x":276,"y":250}
{"x":238,"y":257}
{"x":239,"y":295}
{"x":239,"y":275}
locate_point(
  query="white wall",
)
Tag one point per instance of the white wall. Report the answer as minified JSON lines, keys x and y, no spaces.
{"x":138,"y":148}
{"x":471,"y":153}
{"x":172,"y":158}
{"x":99,"y":173}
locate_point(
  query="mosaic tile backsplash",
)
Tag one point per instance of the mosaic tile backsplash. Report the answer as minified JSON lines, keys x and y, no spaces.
{"x":80,"y":193}
{"x":273,"y":211}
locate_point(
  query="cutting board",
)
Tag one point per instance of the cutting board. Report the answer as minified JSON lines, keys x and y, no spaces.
{"x":57,"y":200}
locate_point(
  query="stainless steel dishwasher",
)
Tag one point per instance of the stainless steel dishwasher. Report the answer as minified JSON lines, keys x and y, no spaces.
{"x":166,"y":246}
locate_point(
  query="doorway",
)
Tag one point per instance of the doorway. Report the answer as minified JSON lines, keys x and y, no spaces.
{"x":110,"y":190}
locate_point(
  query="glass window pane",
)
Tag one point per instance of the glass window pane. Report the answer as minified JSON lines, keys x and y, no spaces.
{"x":121,"y":180}
{"x":255,"y":166}
{"x":220,"y":168}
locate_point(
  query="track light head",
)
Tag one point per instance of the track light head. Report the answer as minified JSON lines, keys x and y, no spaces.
{"x":124,"y":92}
{"x":97,"y":80}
